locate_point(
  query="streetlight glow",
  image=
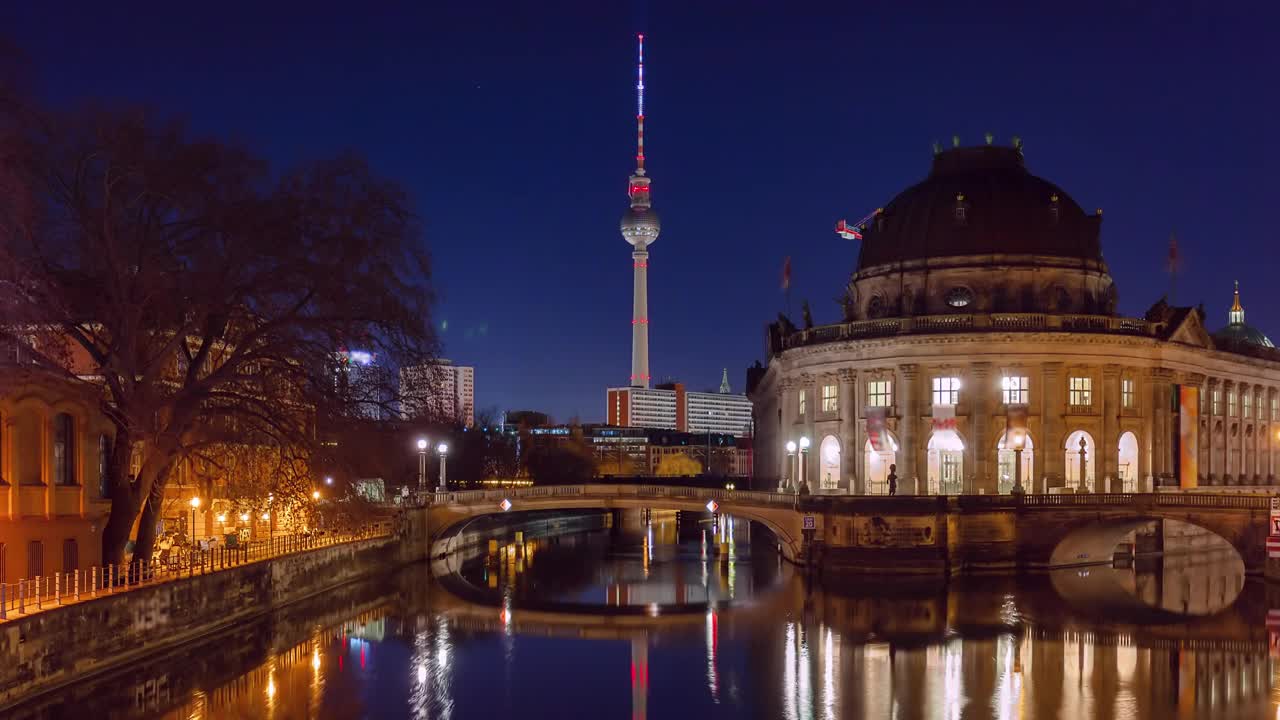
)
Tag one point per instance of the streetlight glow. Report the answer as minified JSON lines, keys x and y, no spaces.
{"x":315,"y":494}
{"x":328,"y":480}
{"x":266,"y":516}
{"x":804,"y":443}
{"x":442,"y":448}
{"x":422,"y":443}
{"x":244,"y":517}
{"x":791,"y":446}
{"x":195,"y":502}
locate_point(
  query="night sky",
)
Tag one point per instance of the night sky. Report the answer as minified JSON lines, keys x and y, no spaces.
{"x":512,"y":124}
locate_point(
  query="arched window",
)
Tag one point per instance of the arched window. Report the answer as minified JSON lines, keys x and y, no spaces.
{"x":64,"y":451}
{"x":829,"y":459}
{"x":1128,"y":463}
{"x":1076,"y":479}
{"x":878,"y":462}
{"x":1007,"y":467}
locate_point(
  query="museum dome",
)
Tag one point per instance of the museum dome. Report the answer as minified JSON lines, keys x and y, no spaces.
{"x":1237,"y":331}
{"x":980,"y":201}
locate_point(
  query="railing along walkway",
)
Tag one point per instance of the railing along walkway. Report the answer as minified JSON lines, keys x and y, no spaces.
{"x":1203,"y":500}
{"x":45,"y":592}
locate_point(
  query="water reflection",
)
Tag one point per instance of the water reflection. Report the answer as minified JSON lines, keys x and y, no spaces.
{"x":540,"y":627}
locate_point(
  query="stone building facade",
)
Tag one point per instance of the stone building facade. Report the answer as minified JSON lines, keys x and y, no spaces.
{"x":981,"y":302}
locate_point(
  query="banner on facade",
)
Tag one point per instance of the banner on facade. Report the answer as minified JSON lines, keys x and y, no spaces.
{"x":1188,"y":436}
{"x":945,"y":436}
{"x":875,"y":429}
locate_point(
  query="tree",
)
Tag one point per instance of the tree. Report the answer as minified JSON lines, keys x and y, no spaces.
{"x":206,"y":296}
{"x":678,"y":465}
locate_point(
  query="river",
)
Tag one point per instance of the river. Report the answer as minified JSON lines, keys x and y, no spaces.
{"x":666,"y":616}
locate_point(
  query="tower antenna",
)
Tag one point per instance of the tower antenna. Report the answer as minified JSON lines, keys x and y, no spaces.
{"x":640,"y":106}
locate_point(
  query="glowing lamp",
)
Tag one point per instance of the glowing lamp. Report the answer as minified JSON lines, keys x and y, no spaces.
{"x":315,"y":494}
{"x":791,"y":446}
{"x":266,"y":516}
{"x":442,"y":448}
{"x":804,"y":443}
{"x":244,"y":517}
{"x":195,"y":502}
{"x":422,"y":443}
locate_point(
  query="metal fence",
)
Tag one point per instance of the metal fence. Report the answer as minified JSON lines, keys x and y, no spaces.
{"x":46,"y":591}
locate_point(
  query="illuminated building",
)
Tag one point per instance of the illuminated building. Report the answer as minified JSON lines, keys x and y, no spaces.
{"x":445,"y":388}
{"x":669,"y":406}
{"x":981,"y":301}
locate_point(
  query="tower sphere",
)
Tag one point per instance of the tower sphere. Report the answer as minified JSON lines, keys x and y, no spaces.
{"x":640,"y":226}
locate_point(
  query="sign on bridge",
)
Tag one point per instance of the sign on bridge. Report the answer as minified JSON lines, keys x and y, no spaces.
{"x":810,"y":523}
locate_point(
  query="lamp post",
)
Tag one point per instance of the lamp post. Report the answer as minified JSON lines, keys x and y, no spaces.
{"x":195,"y":503}
{"x":791,"y":456}
{"x":804,"y":463}
{"x":1019,"y":439}
{"x":422,"y":464}
{"x":443,"y":451}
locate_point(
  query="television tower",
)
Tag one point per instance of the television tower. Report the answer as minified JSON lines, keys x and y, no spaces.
{"x":640,"y":227}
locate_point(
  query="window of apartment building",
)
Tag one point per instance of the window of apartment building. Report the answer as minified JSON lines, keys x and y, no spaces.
{"x":1127,"y":398}
{"x":1245,"y":405}
{"x":1081,"y":391}
{"x":1015,"y":389}
{"x":35,"y":559}
{"x":829,"y":403}
{"x":879,"y":393}
{"x":802,"y":402}
{"x":1231,"y":403}
{"x":104,"y":466}
{"x":946,"y":390}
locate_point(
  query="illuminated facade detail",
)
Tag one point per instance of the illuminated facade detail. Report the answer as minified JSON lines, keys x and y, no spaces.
{"x":640,"y":227}
{"x":1035,"y":335}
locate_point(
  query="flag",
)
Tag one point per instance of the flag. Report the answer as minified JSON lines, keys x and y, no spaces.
{"x":1173,"y":253}
{"x":786,"y":273}
{"x":875,"y":429}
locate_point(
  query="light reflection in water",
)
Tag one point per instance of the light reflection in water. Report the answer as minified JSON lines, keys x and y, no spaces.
{"x":1002,"y":648}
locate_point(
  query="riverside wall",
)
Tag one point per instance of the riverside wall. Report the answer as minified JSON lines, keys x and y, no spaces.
{"x":51,"y":648}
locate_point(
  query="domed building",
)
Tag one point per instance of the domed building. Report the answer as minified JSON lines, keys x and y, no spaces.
{"x":980,"y":349}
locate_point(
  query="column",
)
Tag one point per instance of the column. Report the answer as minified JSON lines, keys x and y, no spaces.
{"x":1109,"y":445}
{"x":810,"y":464}
{"x":979,"y":396}
{"x":1257,"y":466}
{"x":1229,"y":469}
{"x":909,"y":482}
{"x":850,"y":448}
{"x":1272,"y":426}
{"x":1213,"y":471}
{"x":1155,"y":420}
{"x":786,"y":429}
{"x":1050,"y":460}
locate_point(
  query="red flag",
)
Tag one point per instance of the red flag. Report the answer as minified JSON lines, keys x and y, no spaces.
{"x":786,"y":273}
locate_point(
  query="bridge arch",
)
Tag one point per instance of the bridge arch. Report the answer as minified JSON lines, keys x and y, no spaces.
{"x":449,"y":516}
{"x":1094,"y":541}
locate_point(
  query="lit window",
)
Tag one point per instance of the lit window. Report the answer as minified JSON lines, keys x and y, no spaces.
{"x":1126,"y":393}
{"x":1016,"y":389}
{"x":1081,"y":391}
{"x":801,"y":403}
{"x":1245,"y":404}
{"x":1258,"y":397}
{"x":946,"y":390}
{"x":1217,"y":401}
{"x":829,"y":398}
{"x":1231,"y":404}
{"x":879,"y":392}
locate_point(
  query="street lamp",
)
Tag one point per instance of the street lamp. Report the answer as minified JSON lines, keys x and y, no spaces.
{"x":443,"y":451}
{"x":315,"y":494}
{"x":422,"y":464}
{"x":328,"y":480}
{"x":791,"y":457}
{"x":804,"y":462}
{"x":195,"y":503}
{"x":1019,"y":439}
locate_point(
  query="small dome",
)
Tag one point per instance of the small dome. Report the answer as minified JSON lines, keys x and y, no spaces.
{"x":640,"y":224}
{"x":1237,"y":331}
{"x":1244,"y":334}
{"x":980,"y":201}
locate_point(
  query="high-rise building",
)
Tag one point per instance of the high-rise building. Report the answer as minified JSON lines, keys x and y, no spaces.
{"x":442,"y":388}
{"x":671,"y":407}
{"x":640,"y":227}
{"x":362,"y":380}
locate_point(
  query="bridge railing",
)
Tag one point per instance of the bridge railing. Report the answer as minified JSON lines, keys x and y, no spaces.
{"x":819,"y":502}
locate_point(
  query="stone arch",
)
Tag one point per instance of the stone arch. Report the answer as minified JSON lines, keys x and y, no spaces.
{"x":1127,"y":463}
{"x":876,"y":464}
{"x":1071,"y":449}
{"x":447,"y":522}
{"x":945,"y":463}
{"x":829,"y":463}
{"x":1093,"y":541}
{"x":1005,"y":471}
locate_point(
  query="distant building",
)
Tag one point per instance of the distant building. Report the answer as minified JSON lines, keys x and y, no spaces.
{"x":671,"y":407}
{"x":445,"y":388}
{"x":358,"y":376}
{"x":640,"y":452}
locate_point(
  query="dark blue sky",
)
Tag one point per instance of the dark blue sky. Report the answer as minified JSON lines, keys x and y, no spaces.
{"x":512,"y":125}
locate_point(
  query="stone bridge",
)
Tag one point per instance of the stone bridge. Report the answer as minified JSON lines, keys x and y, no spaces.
{"x":899,"y":535}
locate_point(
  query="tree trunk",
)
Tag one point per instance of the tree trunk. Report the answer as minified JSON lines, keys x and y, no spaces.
{"x":124,"y":501}
{"x":146,"y":543}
